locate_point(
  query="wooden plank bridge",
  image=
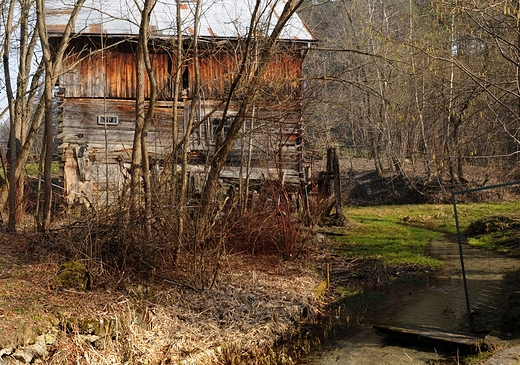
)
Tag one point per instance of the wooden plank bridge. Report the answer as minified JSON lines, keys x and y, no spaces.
{"x":428,"y":335}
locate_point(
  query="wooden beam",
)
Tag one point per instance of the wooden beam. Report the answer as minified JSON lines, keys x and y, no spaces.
{"x":432,"y":335}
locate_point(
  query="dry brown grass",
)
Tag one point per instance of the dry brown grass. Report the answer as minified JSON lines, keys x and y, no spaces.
{"x":255,"y":304}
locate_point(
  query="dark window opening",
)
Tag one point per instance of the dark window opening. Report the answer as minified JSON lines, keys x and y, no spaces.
{"x":215,"y":123}
{"x":107,"y":120}
{"x":186,"y":78}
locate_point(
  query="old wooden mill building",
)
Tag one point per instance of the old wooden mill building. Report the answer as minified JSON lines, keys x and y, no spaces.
{"x":97,"y":92}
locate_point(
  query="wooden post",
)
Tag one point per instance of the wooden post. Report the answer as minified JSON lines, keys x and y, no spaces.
{"x":330,"y":169}
{"x":337,"y":188}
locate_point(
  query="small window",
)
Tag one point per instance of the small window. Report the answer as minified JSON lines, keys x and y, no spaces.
{"x":107,"y":120}
{"x":225,"y":128}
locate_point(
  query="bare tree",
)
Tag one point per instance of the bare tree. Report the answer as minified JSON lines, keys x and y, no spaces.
{"x":26,"y":105}
{"x":250,"y":85}
{"x":180,"y":199}
{"x":140,"y":161}
{"x":446,"y":103}
{"x":183,"y":188}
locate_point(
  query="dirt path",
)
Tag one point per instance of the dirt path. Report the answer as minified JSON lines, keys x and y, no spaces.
{"x":439,"y":303}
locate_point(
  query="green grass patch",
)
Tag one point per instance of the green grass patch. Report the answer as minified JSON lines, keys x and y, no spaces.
{"x":398,"y":234}
{"x":381,"y":233}
{"x":470,"y":213}
{"x":507,"y":241}
{"x":33,"y":169}
{"x":477,"y":358}
{"x":389,"y":242}
{"x":496,"y":232}
{"x":361,"y":297}
{"x":494,"y":227}
{"x":437,"y":217}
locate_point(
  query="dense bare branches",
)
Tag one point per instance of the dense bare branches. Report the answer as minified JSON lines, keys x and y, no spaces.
{"x":433,"y":93}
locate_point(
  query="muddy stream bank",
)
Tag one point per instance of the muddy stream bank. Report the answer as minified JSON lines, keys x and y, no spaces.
{"x":440,"y":302}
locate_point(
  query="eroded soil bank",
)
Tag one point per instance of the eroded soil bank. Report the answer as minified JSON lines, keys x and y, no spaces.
{"x":439,"y":302}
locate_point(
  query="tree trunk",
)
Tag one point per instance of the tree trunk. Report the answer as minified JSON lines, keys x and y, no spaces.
{"x":48,"y":135}
{"x":145,"y":21}
{"x":137,"y":149}
{"x":176,"y":197}
{"x":258,"y":72}
{"x":183,"y":190}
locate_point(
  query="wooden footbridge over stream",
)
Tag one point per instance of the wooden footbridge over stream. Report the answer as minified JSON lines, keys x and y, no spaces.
{"x":438,"y":337}
{"x":438,"y":317}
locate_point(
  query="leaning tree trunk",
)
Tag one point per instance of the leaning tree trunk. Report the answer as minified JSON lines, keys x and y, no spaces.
{"x":251,"y":91}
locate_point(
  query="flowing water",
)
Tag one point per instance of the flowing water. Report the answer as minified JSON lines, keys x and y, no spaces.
{"x":441,"y":303}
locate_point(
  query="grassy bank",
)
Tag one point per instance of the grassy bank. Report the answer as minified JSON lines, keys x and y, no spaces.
{"x":398,"y":234}
{"x":394,"y":235}
{"x":393,"y":239}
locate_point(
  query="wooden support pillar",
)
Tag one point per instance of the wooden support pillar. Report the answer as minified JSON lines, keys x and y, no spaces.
{"x":337,"y":187}
{"x":329,"y":183}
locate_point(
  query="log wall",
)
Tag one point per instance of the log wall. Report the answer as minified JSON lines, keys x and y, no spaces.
{"x":101,"y":86}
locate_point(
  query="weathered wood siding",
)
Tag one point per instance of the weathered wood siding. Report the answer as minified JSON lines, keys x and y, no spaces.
{"x":111,"y":73}
{"x":276,"y":141}
{"x":99,"y":84}
{"x":90,"y":149}
{"x":80,"y":126}
{"x":217,"y":71}
{"x":219,"y":68}
{"x":283,"y":76}
{"x":96,"y":157}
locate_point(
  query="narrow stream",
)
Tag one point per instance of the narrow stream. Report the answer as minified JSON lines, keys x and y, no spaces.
{"x":440,"y":303}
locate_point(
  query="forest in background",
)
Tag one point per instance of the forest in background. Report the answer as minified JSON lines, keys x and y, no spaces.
{"x":429,"y":87}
